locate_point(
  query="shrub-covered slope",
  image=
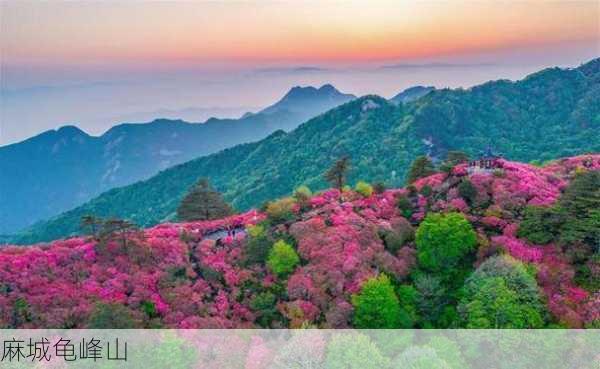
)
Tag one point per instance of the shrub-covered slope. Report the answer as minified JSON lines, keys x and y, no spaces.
{"x":550,"y":114}
{"x":450,"y":251}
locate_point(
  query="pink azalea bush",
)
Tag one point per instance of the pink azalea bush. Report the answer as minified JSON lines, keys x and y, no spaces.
{"x":519,"y":249}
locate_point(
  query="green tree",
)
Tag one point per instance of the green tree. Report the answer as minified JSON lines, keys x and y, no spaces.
{"x":282,"y":258}
{"x":354,"y":351}
{"x":281,"y":210}
{"x":21,"y":313}
{"x":379,"y":187}
{"x":467,"y":191}
{"x":408,"y":297}
{"x":91,"y":225}
{"x":582,"y":194}
{"x":400,"y":234}
{"x":448,"y":350}
{"x":149,"y":308}
{"x":364,"y":188}
{"x":421,"y":167}
{"x":302,"y":196}
{"x":494,"y":305}
{"x":426,"y":190}
{"x":264,"y":304}
{"x":580,"y":207}
{"x":574,"y":220}
{"x":302,"y":192}
{"x":431,"y":299}
{"x":420,"y":357}
{"x":501,"y":293}
{"x":167,"y":350}
{"x":257,"y":245}
{"x":336,"y":175}
{"x":443,"y":240}
{"x":203,"y":203}
{"x":540,"y":224}
{"x":111,"y":316}
{"x":376,"y":305}
{"x":405,"y":206}
{"x":118,"y":229}
{"x":516,"y":274}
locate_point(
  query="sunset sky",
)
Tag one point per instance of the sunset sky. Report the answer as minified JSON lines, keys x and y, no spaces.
{"x":175,"y":55}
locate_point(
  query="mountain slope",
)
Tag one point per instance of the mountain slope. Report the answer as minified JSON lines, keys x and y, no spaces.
{"x":553,"y":113}
{"x":204,"y":275}
{"x":60,"y":169}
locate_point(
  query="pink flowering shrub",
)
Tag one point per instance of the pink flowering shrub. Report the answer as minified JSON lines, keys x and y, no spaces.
{"x":459,"y":170}
{"x":432,"y":181}
{"x":493,"y":222}
{"x":518,"y":249}
{"x":458,"y":205}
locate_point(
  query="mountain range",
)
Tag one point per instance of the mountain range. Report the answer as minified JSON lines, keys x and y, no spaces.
{"x":60,"y":169}
{"x":549,"y":114}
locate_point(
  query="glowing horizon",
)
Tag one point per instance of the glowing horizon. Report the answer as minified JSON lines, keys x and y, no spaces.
{"x":304,"y":32}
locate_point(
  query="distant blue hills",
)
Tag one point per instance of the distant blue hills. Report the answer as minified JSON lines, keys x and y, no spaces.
{"x":60,"y":169}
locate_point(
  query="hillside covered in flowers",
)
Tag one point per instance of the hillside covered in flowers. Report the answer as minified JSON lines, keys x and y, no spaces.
{"x":513,"y":247}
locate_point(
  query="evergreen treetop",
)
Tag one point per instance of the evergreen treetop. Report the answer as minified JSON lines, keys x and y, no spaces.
{"x":203,"y":203}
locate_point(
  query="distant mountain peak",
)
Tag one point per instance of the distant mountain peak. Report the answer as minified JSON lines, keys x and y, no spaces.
{"x":411,"y":94}
{"x":328,"y":88}
{"x":308,"y":91}
{"x":299,"y":95}
{"x":299,"y":91}
{"x":70,"y":130}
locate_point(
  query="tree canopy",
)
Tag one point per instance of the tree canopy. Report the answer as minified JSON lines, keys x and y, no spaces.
{"x":203,"y":203}
{"x":336,"y":175}
{"x":501,"y":294}
{"x":443,"y":239}
{"x":376,"y":306}
{"x":421,"y":167}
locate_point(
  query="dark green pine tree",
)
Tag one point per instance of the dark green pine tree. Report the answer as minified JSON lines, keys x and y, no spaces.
{"x":90,"y":225}
{"x":580,"y":207}
{"x":203,"y":203}
{"x":336,"y":175}
{"x":421,"y":167}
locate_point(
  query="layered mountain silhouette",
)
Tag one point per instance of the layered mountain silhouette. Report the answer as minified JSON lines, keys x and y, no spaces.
{"x":550,"y":114}
{"x":60,"y":169}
